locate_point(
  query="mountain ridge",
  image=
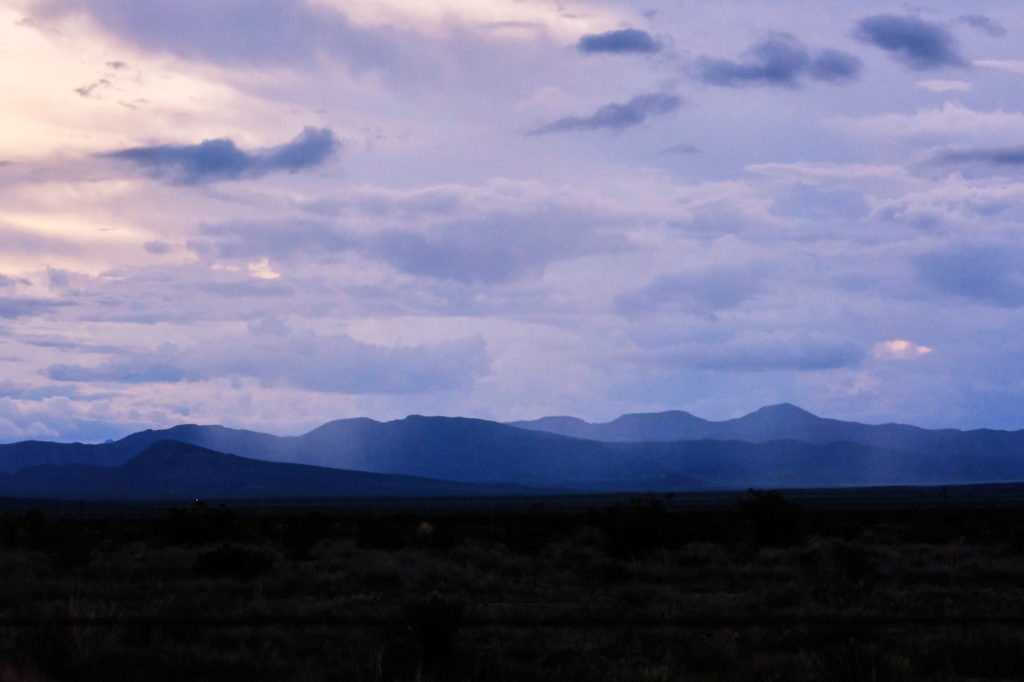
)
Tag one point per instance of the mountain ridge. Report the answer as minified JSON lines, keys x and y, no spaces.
{"x":778,"y":445}
{"x":171,"y":469}
{"x":771,"y":422}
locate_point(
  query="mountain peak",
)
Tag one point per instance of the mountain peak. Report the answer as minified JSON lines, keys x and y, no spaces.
{"x":173,"y":453}
{"x":782,"y":410}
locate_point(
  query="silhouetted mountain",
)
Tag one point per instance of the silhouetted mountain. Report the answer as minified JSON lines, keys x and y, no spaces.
{"x":451,"y":448}
{"x":460,"y":449}
{"x":15,"y":456}
{"x":780,"y":445}
{"x":656,"y":426}
{"x":169,"y":470}
{"x":772,"y":423}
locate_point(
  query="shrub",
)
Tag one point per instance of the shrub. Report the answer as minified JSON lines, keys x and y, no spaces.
{"x":775,"y":521}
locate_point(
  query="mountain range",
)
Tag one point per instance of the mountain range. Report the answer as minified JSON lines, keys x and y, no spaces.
{"x":169,"y":470}
{"x":777,"y":446}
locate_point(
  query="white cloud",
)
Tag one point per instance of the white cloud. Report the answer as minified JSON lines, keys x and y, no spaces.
{"x":69,"y":90}
{"x":951,"y":120}
{"x":803,"y":171}
{"x":1011,"y":65}
{"x":944,"y":86}
{"x":506,"y":18}
{"x":900,"y":349}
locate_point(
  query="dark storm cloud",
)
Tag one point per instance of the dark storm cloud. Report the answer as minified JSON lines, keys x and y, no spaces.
{"x":14,"y":307}
{"x":780,"y":60}
{"x":988,"y":274}
{"x":258,"y":32}
{"x":919,"y":44}
{"x":220,"y":159}
{"x":1000,"y":156}
{"x":983,"y":23}
{"x":625,"y":41}
{"x":834,"y":66}
{"x":616,"y":116}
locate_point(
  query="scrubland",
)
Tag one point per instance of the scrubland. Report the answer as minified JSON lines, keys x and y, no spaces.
{"x":638,"y":590}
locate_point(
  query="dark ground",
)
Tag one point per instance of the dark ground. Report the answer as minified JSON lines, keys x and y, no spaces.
{"x":891,"y":584}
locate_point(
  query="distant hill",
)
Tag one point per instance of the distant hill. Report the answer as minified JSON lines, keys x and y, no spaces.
{"x":778,"y":422}
{"x":171,"y":470}
{"x":776,"y":446}
{"x":451,"y":448}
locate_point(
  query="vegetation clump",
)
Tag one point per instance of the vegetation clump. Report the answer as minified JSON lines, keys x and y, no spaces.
{"x":629,"y":589}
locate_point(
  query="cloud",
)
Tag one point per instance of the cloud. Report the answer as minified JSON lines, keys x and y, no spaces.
{"x":834,"y":66}
{"x":1005,"y":156}
{"x":1011,"y":65}
{"x":616,"y":116}
{"x":322,"y":363}
{"x":233,"y":32}
{"x":15,"y":307}
{"x":918,"y":44}
{"x":984,"y":23}
{"x":157,"y":248}
{"x":952,"y":119}
{"x":490,"y":250}
{"x":121,"y":371}
{"x":900,"y":349}
{"x":497,"y":247}
{"x":21,"y":391}
{"x":626,"y":40}
{"x":944,"y":86}
{"x":961,"y":204}
{"x":220,"y":159}
{"x":280,"y":240}
{"x":717,"y":288}
{"x":988,"y":274}
{"x":89,"y":90}
{"x":341,"y":364}
{"x":254,"y":288}
{"x":802,"y":353}
{"x":779,"y":60}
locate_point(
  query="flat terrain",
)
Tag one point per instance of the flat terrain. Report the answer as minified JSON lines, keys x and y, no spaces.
{"x":881,"y":584}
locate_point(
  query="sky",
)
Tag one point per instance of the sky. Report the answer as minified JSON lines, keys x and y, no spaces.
{"x":269,"y":214}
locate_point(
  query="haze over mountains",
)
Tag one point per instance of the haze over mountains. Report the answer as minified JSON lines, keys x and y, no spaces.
{"x":169,"y":470}
{"x":777,"y":446}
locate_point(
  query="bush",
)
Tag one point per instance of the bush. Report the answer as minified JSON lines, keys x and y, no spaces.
{"x":775,"y":521}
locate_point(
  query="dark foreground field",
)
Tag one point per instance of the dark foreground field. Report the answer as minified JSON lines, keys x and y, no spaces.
{"x":657,"y":588}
